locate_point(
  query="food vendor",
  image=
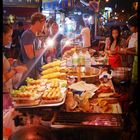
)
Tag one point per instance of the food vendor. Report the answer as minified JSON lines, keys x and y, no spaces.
{"x":30,"y":46}
{"x":9,"y":72}
{"x":113,"y":45}
{"x":132,"y":39}
{"x":132,"y":50}
{"x":85,"y":35}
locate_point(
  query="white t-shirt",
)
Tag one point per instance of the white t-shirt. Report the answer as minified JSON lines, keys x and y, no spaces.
{"x":133,"y":40}
{"x":86,"y":37}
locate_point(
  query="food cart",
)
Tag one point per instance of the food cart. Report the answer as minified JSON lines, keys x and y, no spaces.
{"x":78,"y":102}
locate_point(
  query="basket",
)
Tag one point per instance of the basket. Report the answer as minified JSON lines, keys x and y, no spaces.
{"x":121,"y":74}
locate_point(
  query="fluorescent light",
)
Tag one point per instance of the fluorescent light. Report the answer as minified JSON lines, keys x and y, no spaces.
{"x":108,"y":9}
{"x":59,"y":1}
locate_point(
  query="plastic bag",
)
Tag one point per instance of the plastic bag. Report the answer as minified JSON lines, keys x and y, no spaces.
{"x":8,"y":123}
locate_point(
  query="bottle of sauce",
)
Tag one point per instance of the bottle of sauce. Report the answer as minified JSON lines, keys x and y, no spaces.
{"x":87,"y":63}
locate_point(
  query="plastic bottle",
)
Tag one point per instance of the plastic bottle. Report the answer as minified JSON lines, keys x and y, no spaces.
{"x":81,"y":59}
{"x":87,"y":59}
{"x":87,"y":63}
{"x":75,"y":59}
{"x":69,"y":62}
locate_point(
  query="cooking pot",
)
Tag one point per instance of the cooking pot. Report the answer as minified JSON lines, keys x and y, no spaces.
{"x":32,"y":133}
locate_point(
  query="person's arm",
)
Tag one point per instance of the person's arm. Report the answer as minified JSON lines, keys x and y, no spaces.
{"x":127,"y":41}
{"x":131,"y":52}
{"x":9,"y":75}
{"x":38,"y":51}
{"x":78,"y":37}
{"x":131,"y":49}
{"x":128,"y":51}
{"x":27,"y":43}
{"x":123,"y":46}
{"x":107,"y":43}
{"x":13,"y":71}
{"x":30,"y":53}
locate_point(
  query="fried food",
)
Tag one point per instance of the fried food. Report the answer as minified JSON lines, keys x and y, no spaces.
{"x":52,"y":94}
{"x":85,"y":105}
{"x":70,"y":102}
{"x":52,"y":64}
{"x":54,"y":75}
{"x":51,"y":70}
{"x":51,"y":75}
{"x":101,"y":105}
{"x":104,"y":89}
{"x":31,"y":81}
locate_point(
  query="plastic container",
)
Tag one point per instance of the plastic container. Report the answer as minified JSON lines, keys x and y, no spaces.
{"x":87,"y":59}
{"x":75,"y":59}
{"x":69,"y":62}
{"x":81,"y":59}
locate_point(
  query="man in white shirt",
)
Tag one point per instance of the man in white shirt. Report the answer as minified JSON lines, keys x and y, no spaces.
{"x":133,"y":39}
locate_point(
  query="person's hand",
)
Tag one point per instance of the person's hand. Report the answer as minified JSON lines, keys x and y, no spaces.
{"x":20,"y":69}
{"x":123,"y":51}
{"x":11,"y":61}
{"x":113,"y":52}
{"x":91,"y":51}
{"x":107,"y":52}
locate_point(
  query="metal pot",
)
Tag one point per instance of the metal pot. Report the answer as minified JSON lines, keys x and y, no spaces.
{"x":32,"y":133}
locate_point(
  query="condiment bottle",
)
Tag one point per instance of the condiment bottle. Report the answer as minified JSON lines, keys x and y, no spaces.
{"x":87,"y":59}
{"x":87,"y":63}
{"x":69,"y":62}
{"x":81,"y":59}
{"x":75,"y":59}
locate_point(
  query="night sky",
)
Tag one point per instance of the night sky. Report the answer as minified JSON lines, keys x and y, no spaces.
{"x":125,"y":5}
{"x":121,"y":4}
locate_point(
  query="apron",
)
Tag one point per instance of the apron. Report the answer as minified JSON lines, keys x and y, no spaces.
{"x":115,"y":60}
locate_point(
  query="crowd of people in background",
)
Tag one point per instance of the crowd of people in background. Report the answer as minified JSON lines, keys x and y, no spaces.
{"x":30,"y":43}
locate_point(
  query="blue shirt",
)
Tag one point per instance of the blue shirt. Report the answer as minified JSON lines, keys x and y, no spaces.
{"x":28,"y":38}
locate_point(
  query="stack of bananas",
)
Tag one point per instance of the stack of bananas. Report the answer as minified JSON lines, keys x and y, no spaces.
{"x":53,"y":70}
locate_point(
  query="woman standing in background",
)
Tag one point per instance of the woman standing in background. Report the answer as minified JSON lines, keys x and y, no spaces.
{"x":113,"y":44}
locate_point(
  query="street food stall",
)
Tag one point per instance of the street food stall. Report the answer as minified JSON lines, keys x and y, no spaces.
{"x":71,"y":97}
